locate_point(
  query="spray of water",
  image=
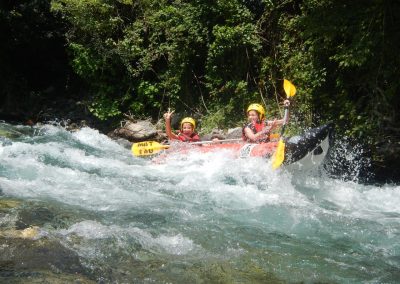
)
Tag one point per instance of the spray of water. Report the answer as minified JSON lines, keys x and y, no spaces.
{"x":130,"y":218}
{"x":348,"y":161}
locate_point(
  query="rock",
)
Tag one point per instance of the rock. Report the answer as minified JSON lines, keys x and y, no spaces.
{"x":160,"y":125}
{"x":72,"y":127}
{"x":124,"y":143}
{"x":135,"y":131}
{"x":34,"y":217}
{"x":23,"y":254}
{"x":8,"y":204}
{"x":234,"y":133}
{"x":205,"y":137}
{"x":27,"y":233}
{"x":162,"y":135}
{"x":215,"y":133}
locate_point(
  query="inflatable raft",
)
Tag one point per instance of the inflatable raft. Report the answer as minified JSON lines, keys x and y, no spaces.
{"x":301,"y":152}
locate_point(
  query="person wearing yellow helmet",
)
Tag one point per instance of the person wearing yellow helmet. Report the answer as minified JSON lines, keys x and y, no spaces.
{"x":257,"y":129}
{"x":187,"y":129}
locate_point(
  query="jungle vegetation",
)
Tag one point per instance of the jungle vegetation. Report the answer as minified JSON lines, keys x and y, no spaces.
{"x":210,"y":59}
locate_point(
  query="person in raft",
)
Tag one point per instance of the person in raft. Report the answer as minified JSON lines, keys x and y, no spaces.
{"x":257,"y":129}
{"x":187,"y":130}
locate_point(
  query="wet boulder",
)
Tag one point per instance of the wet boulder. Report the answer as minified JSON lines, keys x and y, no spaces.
{"x":234,"y":133}
{"x":136,"y":131}
{"x":6,"y":204}
{"x":23,"y":256}
{"x":215,"y":133}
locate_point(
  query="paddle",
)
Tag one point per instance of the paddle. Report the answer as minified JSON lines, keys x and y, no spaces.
{"x":148,"y":148}
{"x":279,"y":155}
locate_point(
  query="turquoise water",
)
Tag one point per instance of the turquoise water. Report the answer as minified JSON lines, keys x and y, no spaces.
{"x":99,"y":214}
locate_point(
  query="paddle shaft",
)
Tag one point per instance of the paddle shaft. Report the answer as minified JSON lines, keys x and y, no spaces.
{"x":217,"y":141}
{"x":279,"y":155}
{"x":147,"y":148}
{"x":285,"y":118}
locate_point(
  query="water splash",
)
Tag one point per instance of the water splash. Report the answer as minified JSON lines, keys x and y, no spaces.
{"x":198,"y":215}
{"x":348,"y":161}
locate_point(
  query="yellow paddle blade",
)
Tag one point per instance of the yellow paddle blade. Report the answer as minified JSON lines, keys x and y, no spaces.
{"x":279,"y":155}
{"x":274,"y":136}
{"x":289,"y":88}
{"x":147,"y":148}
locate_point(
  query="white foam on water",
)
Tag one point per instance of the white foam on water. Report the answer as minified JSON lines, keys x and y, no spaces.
{"x":382,"y":199}
{"x":231,"y":182}
{"x":357,"y":200}
{"x":190,"y":203}
{"x":95,"y":139}
{"x":174,"y":244}
{"x":48,"y":130}
{"x":55,"y":170}
{"x":69,"y":175}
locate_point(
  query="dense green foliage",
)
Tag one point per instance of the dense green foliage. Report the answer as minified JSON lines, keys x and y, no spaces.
{"x":211,"y":58}
{"x":145,"y":56}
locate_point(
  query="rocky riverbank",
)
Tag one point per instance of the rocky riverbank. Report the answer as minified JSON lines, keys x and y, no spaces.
{"x":73,"y":115}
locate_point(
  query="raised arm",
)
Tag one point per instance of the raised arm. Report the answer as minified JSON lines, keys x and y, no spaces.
{"x":168,"y":129}
{"x":274,"y":123}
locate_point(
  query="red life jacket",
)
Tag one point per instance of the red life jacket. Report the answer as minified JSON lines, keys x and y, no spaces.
{"x":194,"y":137}
{"x":255,"y":127}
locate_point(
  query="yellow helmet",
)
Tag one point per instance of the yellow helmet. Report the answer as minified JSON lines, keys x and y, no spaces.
{"x":188,"y":120}
{"x":258,"y":108}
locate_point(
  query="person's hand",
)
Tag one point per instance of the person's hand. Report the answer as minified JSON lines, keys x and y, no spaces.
{"x":268,"y":129}
{"x":265,"y":131}
{"x":273,"y":125}
{"x":286,"y":103}
{"x":215,"y":139}
{"x":168,"y":114}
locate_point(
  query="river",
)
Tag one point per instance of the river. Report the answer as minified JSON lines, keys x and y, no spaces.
{"x":79,"y":206}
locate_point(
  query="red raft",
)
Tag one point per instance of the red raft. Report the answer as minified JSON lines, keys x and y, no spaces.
{"x":303,"y":151}
{"x":239,"y":149}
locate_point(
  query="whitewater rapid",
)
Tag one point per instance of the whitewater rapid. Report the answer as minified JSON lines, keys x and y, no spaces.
{"x":199,"y":218}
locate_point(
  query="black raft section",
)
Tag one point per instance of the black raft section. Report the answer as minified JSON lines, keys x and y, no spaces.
{"x":297,"y":147}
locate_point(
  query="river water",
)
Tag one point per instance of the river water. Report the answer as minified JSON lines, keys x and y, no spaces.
{"x":79,"y":206}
